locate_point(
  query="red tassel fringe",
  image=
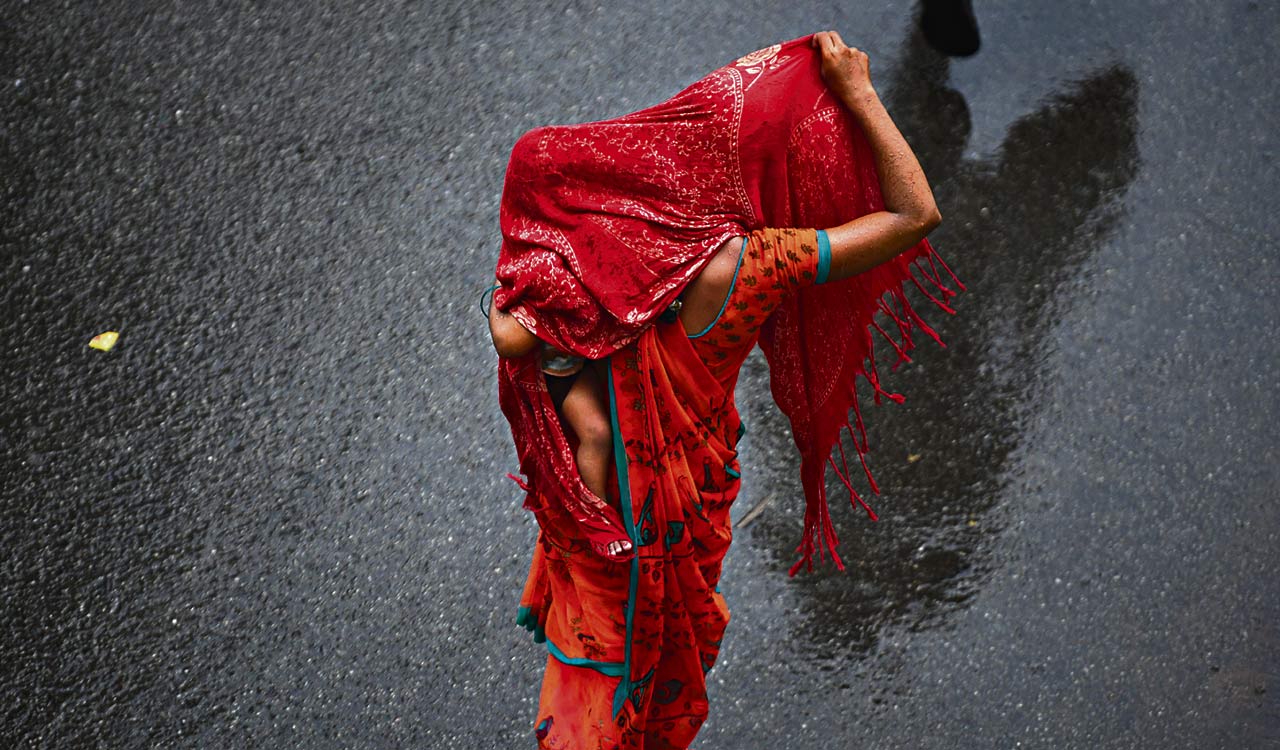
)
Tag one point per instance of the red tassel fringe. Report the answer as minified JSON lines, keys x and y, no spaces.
{"x":819,"y":535}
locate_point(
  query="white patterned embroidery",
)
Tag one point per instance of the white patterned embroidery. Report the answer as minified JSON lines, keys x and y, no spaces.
{"x":759,"y":56}
{"x":739,"y":101}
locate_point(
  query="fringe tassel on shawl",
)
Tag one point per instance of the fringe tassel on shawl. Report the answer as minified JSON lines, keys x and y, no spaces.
{"x":523,"y":485}
{"x":819,"y":535}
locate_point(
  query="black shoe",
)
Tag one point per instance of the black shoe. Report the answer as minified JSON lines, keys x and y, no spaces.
{"x":950,"y":27}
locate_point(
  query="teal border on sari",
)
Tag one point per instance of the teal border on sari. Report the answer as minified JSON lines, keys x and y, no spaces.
{"x":526,"y":620}
{"x":624,"y":491}
{"x":824,"y":257}
{"x":610,"y":668}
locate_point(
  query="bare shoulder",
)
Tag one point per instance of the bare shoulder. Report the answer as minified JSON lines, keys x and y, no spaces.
{"x":719,"y":272}
{"x":705,"y":294}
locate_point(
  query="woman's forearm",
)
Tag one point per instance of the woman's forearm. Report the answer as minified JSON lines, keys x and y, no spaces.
{"x":902,"y":182}
{"x":910,"y":212}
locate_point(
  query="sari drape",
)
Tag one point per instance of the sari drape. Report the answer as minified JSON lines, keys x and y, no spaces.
{"x":603,"y":225}
{"x":632,"y":641}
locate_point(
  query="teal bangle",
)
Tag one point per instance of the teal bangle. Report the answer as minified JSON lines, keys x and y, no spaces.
{"x":484,"y":309}
{"x":824,"y":257}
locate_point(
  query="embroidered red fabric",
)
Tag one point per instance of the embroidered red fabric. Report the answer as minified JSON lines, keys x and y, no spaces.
{"x":604,"y":223}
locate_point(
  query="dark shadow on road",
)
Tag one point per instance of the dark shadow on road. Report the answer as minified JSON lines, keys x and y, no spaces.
{"x":1017,"y":228}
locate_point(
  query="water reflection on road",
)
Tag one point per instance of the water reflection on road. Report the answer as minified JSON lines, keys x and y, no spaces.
{"x":1017,"y":227}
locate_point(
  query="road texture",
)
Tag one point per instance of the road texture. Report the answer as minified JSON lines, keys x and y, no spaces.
{"x":275,"y":514}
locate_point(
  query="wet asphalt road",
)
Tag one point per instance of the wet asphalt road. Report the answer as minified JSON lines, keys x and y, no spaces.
{"x":275,"y":514}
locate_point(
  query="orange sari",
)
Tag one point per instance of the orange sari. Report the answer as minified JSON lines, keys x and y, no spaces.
{"x":631,"y":641}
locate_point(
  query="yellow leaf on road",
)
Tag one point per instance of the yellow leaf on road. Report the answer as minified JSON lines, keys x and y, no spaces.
{"x":105,"y":341}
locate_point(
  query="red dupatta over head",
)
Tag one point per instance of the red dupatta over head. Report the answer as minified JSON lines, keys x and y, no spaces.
{"x":604,"y":223}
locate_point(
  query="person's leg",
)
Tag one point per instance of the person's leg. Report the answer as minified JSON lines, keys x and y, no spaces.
{"x":586,"y":410}
{"x":582,"y":403}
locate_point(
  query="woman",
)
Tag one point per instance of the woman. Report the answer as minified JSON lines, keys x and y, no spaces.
{"x":643,"y":241}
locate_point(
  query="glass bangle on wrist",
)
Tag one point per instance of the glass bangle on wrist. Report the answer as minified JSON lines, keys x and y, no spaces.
{"x":484,"y":308}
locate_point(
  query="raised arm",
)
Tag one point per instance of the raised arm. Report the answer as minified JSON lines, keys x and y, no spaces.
{"x":510,"y":338}
{"x":909,"y":210}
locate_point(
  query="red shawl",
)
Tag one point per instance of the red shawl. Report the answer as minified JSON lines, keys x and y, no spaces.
{"x":604,"y":223}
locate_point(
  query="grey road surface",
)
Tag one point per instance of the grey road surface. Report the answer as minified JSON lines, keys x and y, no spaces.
{"x":275,"y":515}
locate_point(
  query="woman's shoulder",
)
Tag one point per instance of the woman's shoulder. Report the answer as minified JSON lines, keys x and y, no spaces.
{"x":703,"y":297}
{"x":720,"y":270}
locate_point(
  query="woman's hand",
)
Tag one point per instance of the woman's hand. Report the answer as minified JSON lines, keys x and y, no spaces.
{"x":909,"y":211}
{"x":846,"y":70}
